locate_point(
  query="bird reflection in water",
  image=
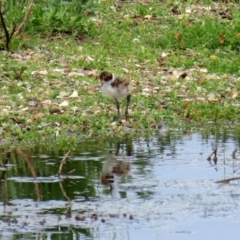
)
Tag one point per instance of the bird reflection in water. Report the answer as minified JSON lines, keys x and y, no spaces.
{"x":112,"y":166}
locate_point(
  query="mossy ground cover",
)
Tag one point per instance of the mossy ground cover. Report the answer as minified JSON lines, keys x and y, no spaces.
{"x":182,"y":60}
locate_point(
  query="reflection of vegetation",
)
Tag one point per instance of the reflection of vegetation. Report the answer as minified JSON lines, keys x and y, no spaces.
{"x":66,"y":233}
{"x":43,"y":161}
{"x":145,"y":194}
{"x":69,"y":232}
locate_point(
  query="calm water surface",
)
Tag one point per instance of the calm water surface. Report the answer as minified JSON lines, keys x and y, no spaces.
{"x":158,"y":187}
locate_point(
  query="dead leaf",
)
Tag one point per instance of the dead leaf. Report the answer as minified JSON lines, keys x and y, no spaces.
{"x":64,"y":104}
{"x":97,"y":21}
{"x":43,"y":72}
{"x":4,"y":111}
{"x":29,"y":121}
{"x":38,"y":115}
{"x":74,"y":94}
{"x":212,"y":98}
{"x":177,"y":35}
{"x":24,"y":36}
{"x":148,"y":17}
{"x":74,"y":109}
{"x":46,"y":103}
{"x":55,"y":109}
{"x":62,"y":94}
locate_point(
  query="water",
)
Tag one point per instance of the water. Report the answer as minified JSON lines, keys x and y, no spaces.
{"x":158,"y":187}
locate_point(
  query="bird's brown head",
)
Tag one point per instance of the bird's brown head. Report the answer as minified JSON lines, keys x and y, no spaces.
{"x":105,"y":76}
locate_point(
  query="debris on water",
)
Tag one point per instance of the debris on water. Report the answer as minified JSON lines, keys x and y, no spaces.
{"x":42,"y":222}
{"x":228,"y":180}
{"x":94,"y":216}
{"x":86,"y":197}
{"x":214,"y":157}
{"x":234,"y":155}
{"x":80,"y":218}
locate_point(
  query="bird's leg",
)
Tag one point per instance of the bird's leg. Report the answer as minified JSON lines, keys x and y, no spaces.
{"x":126,"y":110}
{"x":118,"y":109}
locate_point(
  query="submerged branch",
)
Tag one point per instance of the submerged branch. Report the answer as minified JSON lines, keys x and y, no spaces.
{"x":234,"y":178}
{"x":228,"y":180}
{"x":27,"y":159}
{"x":62,"y":163}
{"x":215,"y":155}
{"x":64,"y":192}
{"x":234,"y":155}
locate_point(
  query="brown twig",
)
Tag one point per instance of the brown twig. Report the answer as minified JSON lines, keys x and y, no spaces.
{"x":215,"y":155}
{"x":4,"y":193}
{"x":5,"y":29}
{"x":13,"y":30}
{"x":62,"y":163}
{"x":27,"y":159}
{"x":73,"y":170}
{"x":69,"y":210}
{"x":228,"y":180}
{"x":235,"y":158}
{"x":2,"y":5}
{"x":64,"y":192}
{"x":23,"y":23}
{"x":234,"y":155}
{"x":4,"y":175}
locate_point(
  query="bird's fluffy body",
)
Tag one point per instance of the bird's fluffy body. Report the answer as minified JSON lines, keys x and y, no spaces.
{"x":114,"y":87}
